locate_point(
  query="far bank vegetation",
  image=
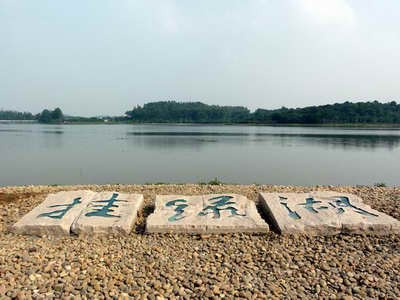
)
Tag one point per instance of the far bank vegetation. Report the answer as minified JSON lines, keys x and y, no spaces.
{"x":347,"y":113}
{"x":197,"y":112}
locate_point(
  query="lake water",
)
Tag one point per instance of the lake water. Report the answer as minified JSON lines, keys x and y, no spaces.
{"x":138,"y":154}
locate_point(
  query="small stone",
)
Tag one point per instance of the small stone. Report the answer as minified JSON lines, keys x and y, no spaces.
{"x":32,"y":277}
{"x":21,"y":296}
{"x":325,"y":267}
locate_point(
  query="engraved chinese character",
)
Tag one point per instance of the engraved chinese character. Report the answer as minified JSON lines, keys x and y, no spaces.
{"x":104,"y":210}
{"x":292,"y":214}
{"x":342,"y":202}
{"x":180,"y":208}
{"x":60,"y":213}
{"x":218,"y":204}
{"x":309,"y":205}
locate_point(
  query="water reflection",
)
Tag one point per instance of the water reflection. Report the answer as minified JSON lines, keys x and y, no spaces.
{"x":52,"y":131}
{"x":160,"y":142}
{"x":187,"y":133}
{"x":345,"y":142}
{"x":73,"y":154}
{"x":14,"y":130}
{"x":53,"y":137}
{"x":176,"y":139}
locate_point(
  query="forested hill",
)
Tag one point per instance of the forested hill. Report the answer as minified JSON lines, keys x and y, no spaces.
{"x":197,"y":112}
{"x":361,"y":112}
{"x":188,"y":112}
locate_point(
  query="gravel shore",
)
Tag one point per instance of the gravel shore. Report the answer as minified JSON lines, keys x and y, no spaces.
{"x":177,"y":266}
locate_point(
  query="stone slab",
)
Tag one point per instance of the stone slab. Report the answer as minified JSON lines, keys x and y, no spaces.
{"x":55,"y":215}
{"x":109,"y":212}
{"x":325,"y":213}
{"x":216,"y":213}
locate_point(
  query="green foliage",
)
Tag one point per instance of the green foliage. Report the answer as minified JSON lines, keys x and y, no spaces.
{"x":55,"y":116}
{"x":45,"y":116}
{"x":15,"y":115}
{"x":215,"y":181}
{"x":190,"y":112}
{"x":350,"y":113}
{"x":197,"y":112}
{"x":380,"y":184}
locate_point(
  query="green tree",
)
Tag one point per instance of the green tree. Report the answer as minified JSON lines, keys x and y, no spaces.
{"x":47,"y":116}
{"x":57,"y":115}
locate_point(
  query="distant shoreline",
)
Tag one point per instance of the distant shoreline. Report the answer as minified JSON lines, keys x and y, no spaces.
{"x":326,"y":125}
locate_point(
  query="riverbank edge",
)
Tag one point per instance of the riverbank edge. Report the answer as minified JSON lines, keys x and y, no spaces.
{"x":219,"y":185}
{"x":394,"y":126}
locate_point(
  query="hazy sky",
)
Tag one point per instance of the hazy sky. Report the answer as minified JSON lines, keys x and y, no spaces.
{"x":104,"y":57}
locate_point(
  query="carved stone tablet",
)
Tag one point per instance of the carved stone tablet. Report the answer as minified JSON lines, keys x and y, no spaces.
{"x":325,"y":213}
{"x":218,"y":213}
{"x":109,"y":212}
{"x":55,"y":215}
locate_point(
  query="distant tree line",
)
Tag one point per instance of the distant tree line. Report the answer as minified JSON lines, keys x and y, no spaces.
{"x":197,"y":112}
{"x":15,"y":115}
{"x":361,"y":112}
{"x":46,"y":116}
{"x":188,"y":112}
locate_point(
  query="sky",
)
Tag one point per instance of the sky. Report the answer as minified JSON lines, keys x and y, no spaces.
{"x":103,"y":57}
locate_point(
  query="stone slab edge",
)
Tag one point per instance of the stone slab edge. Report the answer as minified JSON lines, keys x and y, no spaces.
{"x":260,"y":225}
{"x":391,"y":227}
{"x":123,"y":225}
{"x":29,"y":224}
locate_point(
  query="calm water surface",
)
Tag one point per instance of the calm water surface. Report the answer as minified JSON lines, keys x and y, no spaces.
{"x":137,"y":154}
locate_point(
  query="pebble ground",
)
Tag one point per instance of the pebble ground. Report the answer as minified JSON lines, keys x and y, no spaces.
{"x":177,"y":266}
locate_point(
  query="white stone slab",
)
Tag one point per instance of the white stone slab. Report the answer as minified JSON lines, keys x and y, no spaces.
{"x":55,"y":215}
{"x":217,"y":213}
{"x":325,"y":213}
{"x":109,"y":212}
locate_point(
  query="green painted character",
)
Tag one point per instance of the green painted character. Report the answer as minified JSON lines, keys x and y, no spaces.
{"x":218,"y":204}
{"x":180,"y":209}
{"x":60,"y":213}
{"x":105,"y":210}
{"x":293,"y":214}
{"x":342,"y":202}
{"x":309,"y":205}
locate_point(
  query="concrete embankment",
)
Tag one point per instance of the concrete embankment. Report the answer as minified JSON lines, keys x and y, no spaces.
{"x":147,"y":266}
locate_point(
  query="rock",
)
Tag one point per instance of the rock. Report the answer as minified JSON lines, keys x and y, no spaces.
{"x":215,"y":213}
{"x":21,"y":296}
{"x":325,"y":213}
{"x":55,"y":215}
{"x":109,"y":212}
{"x":325,"y":267}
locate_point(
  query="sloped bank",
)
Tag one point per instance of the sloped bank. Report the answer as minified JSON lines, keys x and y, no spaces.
{"x":232,"y":265}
